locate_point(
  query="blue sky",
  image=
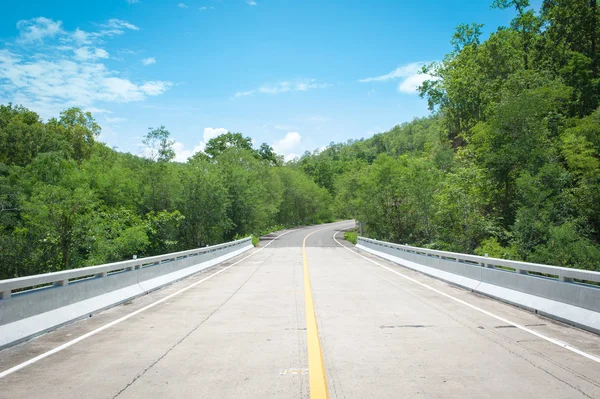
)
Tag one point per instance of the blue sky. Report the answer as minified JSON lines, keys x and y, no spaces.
{"x":296,"y":74}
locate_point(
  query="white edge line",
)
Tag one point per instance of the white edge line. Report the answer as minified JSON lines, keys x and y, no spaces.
{"x":502,"y":319}
{"x":122,"y":319}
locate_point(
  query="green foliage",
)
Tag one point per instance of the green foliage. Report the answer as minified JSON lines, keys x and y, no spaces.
{"x":204,"y":202}
{"x":566,"y":246}
{"x":351,"y":236}
{"x":492,"y":248}
{"x":117,"y":234}
{"x":302,"y":201}
{"x":159,"y":145}
{"x":508,"y":164}
{"x":67,"y":201}
{"x":218,"y":145}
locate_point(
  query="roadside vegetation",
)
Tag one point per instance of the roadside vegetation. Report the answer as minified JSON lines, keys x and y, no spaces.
{"x":67,"y":200}
{"x":351,"y":236}
{"x":507,"y":164}
{"x":509,"y":161}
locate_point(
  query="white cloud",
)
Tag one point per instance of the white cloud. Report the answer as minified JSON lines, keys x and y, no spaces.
{"x":149,"y":61}
{"x":251,"y":2}
{"x":87,"y":53}
{"x":133,"y":1}
{"x":36,"y":29}
{"x":182,"y":154}
{"x":114,"y":120}
{"x":81,"y":37}
{"x":244,"y":93}
{"x":49,"y":85}
{"x":412,"y":83}
{"x":291,"y":156}
{"x":400,"y":72}
{"x":67,"y":70}
{"x":410,"y":75}
{"x":284,"y":87}
{"x":95,"y":110}
{"x":114,"y":27}
{"x":182,"y":5}
{"x":155,"y":88}
{"x":210,"y":133}
{"x":289,"y":142}
{"x":119,"y":23}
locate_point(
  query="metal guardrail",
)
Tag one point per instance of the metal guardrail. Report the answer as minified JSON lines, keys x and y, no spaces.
{"x":569,"y":295}
{"x":564,"y":274}
{"x":63,"y":278}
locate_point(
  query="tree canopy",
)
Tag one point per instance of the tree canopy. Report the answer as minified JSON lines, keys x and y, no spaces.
{"x":507,"y":164}
{"x":67,"y":200}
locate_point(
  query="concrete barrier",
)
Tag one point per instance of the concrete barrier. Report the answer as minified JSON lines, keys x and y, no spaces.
{"x":32,"y":305}
{"x":562,"y":293}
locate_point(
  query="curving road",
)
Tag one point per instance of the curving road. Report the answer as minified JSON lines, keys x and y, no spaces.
{"x":245,"y":329}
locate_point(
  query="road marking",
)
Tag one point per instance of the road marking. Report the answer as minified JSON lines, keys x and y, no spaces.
{"x":122,"y":319}
{"x":294,"y":371}
{"x":316,"y":366}
{"x":502,"y":319}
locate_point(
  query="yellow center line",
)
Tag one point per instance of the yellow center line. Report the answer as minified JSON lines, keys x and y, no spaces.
{"x":316,"y":365}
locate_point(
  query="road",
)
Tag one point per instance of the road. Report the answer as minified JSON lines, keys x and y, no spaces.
{"x":243,"y":329}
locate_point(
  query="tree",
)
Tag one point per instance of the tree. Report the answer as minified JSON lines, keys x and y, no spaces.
{"x":60,"y":215}
{"x":79,"y":129}
{"x":267,"y":154}
{"x":466,"y":35}
{"x":220,"y":144}
{"x":158,"y":144}
{"x":203,"y":203}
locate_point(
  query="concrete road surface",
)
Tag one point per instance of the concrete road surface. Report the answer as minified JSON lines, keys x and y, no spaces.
{"x":239,"y":330}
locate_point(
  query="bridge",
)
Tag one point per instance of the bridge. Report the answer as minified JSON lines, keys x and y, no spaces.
{"x":305,"y":314}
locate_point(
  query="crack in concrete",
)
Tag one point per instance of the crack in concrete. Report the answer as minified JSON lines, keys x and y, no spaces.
{"x":190,"y":332}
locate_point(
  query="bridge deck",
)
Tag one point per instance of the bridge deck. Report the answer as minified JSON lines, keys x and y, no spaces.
{"x":240,"y":332}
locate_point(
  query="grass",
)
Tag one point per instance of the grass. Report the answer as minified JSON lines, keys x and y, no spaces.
{"x":351,"y":236}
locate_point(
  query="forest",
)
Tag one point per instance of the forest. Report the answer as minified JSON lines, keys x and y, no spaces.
{"x":507,"y":164}
{"x":67,"y":200}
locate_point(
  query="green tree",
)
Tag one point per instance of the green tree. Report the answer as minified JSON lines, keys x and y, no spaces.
{"x":204,"y":203}
{"x":158,"y":144}
{"x":221,"y":143}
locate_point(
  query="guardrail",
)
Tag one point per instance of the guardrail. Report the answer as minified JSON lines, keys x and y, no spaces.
{"x":538,"y":287}
{"x":63,"y":278}
{"x":34,"y":304}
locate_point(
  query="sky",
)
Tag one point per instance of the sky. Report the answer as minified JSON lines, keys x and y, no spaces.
{"x":296,"y":74}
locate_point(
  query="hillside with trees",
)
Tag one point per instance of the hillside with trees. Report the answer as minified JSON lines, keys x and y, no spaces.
{"x":508,"y":163}
{"x":67,"y":200}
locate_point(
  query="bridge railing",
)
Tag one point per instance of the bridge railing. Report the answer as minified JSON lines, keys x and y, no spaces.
{"x":34,"y":304}
{"x":565,"y":274}
{"x":567,"y":294}
{"x":63,"y":278}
